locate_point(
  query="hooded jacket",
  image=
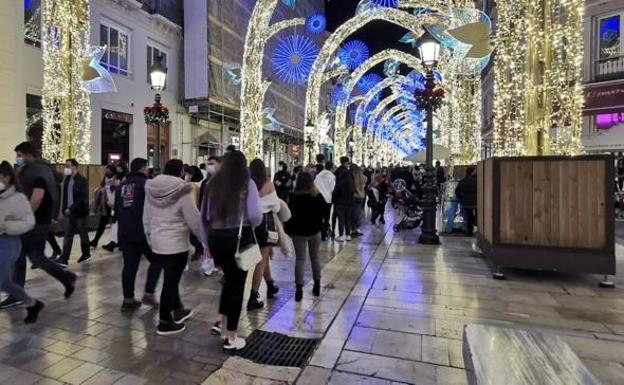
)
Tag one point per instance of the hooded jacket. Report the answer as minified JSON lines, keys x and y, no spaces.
{"x":16,"y":216}
{"x":170,"y":214}
{"x":325,"y":182}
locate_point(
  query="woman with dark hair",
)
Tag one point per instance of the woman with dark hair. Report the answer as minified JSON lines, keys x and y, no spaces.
{"x":306,"y":205}
{"x":194,"y":176}
{"x":16,"y":218}
{"x":231,"y":203}
{"x":269,"y":204}
{"x":101,"y":203}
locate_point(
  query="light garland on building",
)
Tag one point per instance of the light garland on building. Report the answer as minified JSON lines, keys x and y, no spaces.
{"x":538,"y":83}
{"x":66,"y":104}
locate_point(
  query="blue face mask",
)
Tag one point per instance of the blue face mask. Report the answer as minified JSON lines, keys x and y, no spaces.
{"x":19,"y":161}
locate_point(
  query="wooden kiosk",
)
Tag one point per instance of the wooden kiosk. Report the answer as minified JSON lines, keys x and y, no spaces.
{"x":548,"y":213}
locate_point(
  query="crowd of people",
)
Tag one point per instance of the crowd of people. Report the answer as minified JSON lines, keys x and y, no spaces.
{"x":220,"y":210}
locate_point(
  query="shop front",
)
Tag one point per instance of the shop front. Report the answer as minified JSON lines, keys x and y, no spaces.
{"x":603,"y":118}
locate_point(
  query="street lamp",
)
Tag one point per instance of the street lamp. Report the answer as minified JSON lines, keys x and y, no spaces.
{"x":309,"y":142}
{"x":351,"y":148}
{"x":429,"y":50}
{"x":158,"y":78}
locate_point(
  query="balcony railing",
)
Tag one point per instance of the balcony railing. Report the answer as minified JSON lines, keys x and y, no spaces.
{"x":610,"y":69}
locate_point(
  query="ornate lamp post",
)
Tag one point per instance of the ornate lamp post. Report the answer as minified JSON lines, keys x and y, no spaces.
{"x":160,"y":114}
{"x":429,"y":49}
{"x":309,"y":140}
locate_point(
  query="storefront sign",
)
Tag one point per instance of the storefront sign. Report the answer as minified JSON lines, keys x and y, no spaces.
{"x":117,"y":116}
{"x":603,"y":99}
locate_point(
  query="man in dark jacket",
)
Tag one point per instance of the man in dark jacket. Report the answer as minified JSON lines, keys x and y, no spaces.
{"x":342,"y":199}
{"x":75,"y":212}
{"x":129,"y":202}
{"x":282,"y":182}
{"x":42,"y":190}
{"x":466,"y":193}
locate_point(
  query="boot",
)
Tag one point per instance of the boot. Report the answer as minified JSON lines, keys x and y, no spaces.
{"x":272,"y":289}
{"x":254,"y":303}
{"x":299,"y":293}
{"x":316,"y":289}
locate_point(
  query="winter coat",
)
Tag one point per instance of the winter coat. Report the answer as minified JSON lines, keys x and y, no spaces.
{"x":80,"y":206}
{"x":285,"y":183}
{"x":170,"y":214}
{"x":16,"y":215}
{"x":307,"y":214}
{"x":466,"y":191}
{"x":345,"y":187}
{"x":129,"y":204}
{"x":325,"y":182}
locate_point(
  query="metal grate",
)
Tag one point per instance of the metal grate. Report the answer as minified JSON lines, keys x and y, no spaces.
{"x":278,"y":349}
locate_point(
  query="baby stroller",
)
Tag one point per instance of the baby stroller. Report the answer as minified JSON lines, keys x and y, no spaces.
{"x":407,"y":205}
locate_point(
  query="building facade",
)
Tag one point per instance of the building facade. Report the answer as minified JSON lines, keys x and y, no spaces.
{"x":603,"y":75}
{"x":135,"y":34}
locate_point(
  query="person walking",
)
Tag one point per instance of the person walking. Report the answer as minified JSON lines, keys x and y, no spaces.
{"x":282,"y":181}
{"x":325,"y":182}
{"x":40,"y":186}
{"x":129,"y":205}
{"x":16,"y":218}
{"x":306,"y":206}
{"x":466,"y":193}
{"x":231,"y":204}
{"x":343,"y":199}
{"x":169,"y":216}
{"x":359,"y":198}
{"x":194,"y":176}
{"x":378,"y":194}
{"x":101,"y":205}
{"x":75,"y":212}
{"x":269,"y":204}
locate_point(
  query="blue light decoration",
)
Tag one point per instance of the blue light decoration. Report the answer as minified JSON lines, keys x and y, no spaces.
{"x":367,"y":82}
{"x":386,"y":3}
{"x":438,"y":76}
{"x":290,"y":3}
{"x":233,"y":71}
{"x":27,"y":4}
{"x":316,"y":23}
{"x":409,"y":38}
{"x":293,"y":59}
{"x":391,"y":67}
{"x":353,"y":53}
{"x":339,"y":95}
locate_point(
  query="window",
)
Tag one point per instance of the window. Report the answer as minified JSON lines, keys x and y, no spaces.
{"x":115,"y":60}
{"x":32,"y":22}
{"x":152,"y":55}
{"x":610,"y":37}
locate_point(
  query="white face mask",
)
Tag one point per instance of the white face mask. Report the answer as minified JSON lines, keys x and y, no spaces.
{"x":68,"y":171}
{"x":187,"y":178}
{"x":2,"y":187}
{"x":211,"y":168}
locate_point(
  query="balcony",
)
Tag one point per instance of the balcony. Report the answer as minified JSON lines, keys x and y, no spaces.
{"x":609,"y":69}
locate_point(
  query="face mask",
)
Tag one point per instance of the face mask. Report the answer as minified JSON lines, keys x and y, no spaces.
{"x":211,"y":168}
{"x":68,"y":171}
{"x":19,"y":161}
{"x":2,"y":187}
{"x":187,"y":178}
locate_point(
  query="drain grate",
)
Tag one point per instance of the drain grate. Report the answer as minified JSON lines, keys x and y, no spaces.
{"x":278,"y":349}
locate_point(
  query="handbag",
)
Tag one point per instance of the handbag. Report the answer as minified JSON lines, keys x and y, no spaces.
{"x":271,"y":228}
{"x":250,"y":255}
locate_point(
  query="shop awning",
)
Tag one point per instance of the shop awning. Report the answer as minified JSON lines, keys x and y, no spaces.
{"x":607,"y":99}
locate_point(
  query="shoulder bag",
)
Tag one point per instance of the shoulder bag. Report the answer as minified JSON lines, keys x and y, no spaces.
{"x":249,"y":256}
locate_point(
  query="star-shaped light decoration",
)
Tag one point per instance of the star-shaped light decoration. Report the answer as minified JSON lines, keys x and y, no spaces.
{"x":95,"y":78}
{"x":233,"y":71}
{"x":269,"y":122}
{"x":290,"y":3}
{"x":477,"y":35}
{"x":409,"y":38}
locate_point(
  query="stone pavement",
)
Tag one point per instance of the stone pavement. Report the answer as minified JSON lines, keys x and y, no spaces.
{"x":391,"y":312}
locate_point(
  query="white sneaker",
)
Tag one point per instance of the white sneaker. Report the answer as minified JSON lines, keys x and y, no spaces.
{"x":341,"y":238}
{"x":348,"y":237}
{"x":236,"y":345}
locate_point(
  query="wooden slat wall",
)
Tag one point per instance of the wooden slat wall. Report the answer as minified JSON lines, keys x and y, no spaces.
{"x":557,"y":203}
{"x":480,"y":200}
{"x":488,"y":196}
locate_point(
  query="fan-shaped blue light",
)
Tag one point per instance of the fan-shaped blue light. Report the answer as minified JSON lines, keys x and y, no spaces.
{"x":438,"y":76}
{"x":293,"y":59}
{"x":316,"y":23}
{"x":339,"y":95}
{"x":386,"y":3}
{"x":353,"y":53}
{"x":367,"y":82}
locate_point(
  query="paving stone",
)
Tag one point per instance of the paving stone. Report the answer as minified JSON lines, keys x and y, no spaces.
{"x":607,"y":372}
{"x":339,"y":378}
{"x":451,"y":376}
{"x":130,"y":379}
{"x":229,"y":377}
{"x":264,"y":371}
{"x":314,"y":375}
{"x":435,"y":350}
{"x":387,"y":368}
{"x":386,"y":343}
{"x":62,"y":367}
{"x":81,"y":373}
{"x":105,"y":377}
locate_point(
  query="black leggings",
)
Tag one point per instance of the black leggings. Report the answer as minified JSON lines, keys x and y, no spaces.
{"x":222,"y":244}
{"x":173,"y":266}
{"x":104,"y":219}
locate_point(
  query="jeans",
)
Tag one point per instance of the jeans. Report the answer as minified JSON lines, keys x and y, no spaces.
{"x":307,"y":245}
{"x":104,"y":219}
{"x":173,"y":266}
{"x":72,"y":226}
{"x":343,"y":213}
{"x":326,"y":217}
{"x":132,"y":253}
{"x":470,"y":218}
{"x":357,"y":213}
{"x":56,"y":249}
{"x":222,"y":244}
{"x":10,"y":247}
{"x":449,"y":216}
{"x":33,"y":245}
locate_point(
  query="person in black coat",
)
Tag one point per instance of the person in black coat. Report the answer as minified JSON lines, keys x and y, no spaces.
{"x":466,"y":192}
{"x":75,"y":211}
{"x":342,"y":198}
{"x":129,"y":203}
{"x":282,"y":182}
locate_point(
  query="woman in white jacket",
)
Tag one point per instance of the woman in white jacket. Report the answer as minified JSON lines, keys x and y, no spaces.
{"x":16,"y":218}
{"x":169,"y":217}
{"x":266,"y":233}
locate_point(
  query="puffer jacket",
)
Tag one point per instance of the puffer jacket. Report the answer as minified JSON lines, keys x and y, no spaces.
{"x":16,"y":215}
{"x":170,"y":215}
